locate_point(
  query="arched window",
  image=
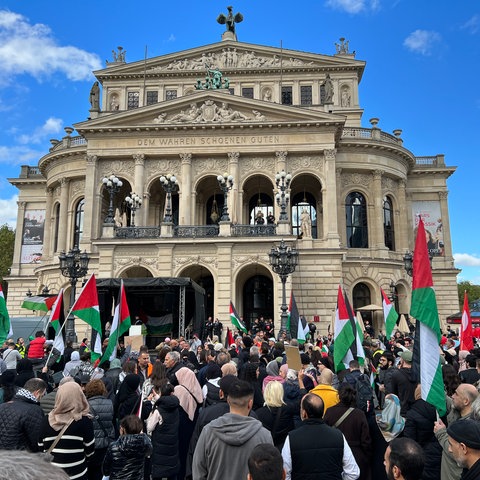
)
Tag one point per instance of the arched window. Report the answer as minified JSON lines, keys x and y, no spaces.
{"x":388,"y":227}
{"x":361,"y":297}
{"x":260,"y":203}
{"x":301,"y":201}
{"x":357,"y":227}
{"x":79,"y":214}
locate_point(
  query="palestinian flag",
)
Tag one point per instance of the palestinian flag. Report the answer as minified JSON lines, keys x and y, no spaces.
{"x":294,"y":323}
{"x":390,"y":315}
{"x":120,"y":325}
{"x":235,"y":319}
{"x":39,"y":303}
{"x":357,"y":348}
{"x":426,"y":358}
{"x":86,"y":307}
{"x":344,"y":336}
{"x":57,"y":321}
{"x":5,"y":324}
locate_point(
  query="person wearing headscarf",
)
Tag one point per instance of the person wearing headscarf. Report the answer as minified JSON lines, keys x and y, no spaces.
{"x":189,"y":393}
{"x":77,"y":443}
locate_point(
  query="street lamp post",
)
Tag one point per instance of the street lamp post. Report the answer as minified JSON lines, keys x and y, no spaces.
{"x":134,"y":202}
{"x":73,"y":265}
{"x":169,"y":184}
{"x":408,"y":262}
{"x":283,"y":179}
{"x":113,"y":185}
{"x":283,"y":260}
{"x":226,"y":184}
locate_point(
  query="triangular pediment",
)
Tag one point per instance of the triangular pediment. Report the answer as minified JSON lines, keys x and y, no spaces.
{"x":230,"y":57}
{"x":209,"y":107}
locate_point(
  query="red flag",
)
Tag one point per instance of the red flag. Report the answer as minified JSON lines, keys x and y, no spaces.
{"x":466,"y":340}
{"x":229,"y":340}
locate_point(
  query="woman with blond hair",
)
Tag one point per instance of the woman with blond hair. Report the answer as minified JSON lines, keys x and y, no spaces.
{"x":275,"y":415}
{"x":70,"y":426}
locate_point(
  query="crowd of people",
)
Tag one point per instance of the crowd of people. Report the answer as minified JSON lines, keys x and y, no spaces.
{"x":201,"y":409}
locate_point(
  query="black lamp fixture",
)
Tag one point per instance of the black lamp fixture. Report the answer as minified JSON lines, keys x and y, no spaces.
{"x":113,"y":185}
{"x":283,"y":260}
{"x":73,"y":265}
{"x":134,"y":202}
{"x":170,"y":185}
{"x":225,"y":182}
{"x":408,"y":262}
{"x":282,"y":180}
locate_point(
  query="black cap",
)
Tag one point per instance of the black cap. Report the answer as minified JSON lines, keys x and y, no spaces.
{"x":466,"y":431}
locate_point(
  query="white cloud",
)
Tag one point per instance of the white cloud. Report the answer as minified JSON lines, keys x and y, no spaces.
{"x":354,"y":6}
{"x":472,"y":25}
{"x":466,"y":260}
{"x":8,"y":211}
{"x":19,"y":155}
{"x":51,"y":126}
{"x":422,"y":41}
{"x":27,"y":48}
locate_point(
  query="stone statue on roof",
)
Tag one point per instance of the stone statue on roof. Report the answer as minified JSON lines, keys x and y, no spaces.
{"x":230,"y":19}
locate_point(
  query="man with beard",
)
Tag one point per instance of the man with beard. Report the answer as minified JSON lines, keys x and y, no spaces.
{"x":464,"y":445}
{"x":404,"y":459}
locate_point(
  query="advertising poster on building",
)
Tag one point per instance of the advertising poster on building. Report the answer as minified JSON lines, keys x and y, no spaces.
{"x":430,"y":213}
{"x":32,"y":236}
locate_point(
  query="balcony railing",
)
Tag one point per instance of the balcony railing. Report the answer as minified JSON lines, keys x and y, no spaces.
{"x":253,"y":230}
{"x":196,"y":231}
{"x":137,"y":232}
{"x":370,"y":134}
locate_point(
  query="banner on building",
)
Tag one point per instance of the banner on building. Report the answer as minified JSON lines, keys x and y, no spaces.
{"x":432,"y":219}
{"x":32,"y":236}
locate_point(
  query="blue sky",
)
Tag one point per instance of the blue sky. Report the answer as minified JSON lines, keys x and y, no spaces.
{"x":423,"y":66}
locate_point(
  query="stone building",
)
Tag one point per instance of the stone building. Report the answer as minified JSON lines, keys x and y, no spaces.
{"x":250,"y":112}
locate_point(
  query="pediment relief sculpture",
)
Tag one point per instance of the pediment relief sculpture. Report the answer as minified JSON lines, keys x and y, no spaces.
{"x":231,"y":58}
{"x":209,"y":112}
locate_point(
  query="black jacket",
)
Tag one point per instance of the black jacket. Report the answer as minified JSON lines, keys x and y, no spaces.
{"x":125,"y":458}
{"x":278,"y":421}
{"x":101,"y":409}
{"x":165,"y":458}
{"x":20,"y":422}
{"x":403,"y":386}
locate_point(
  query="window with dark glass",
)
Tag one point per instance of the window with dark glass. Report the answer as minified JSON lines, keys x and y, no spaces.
{"x":356,"y":220}
{"x":232,"y":91}
{"x":361,"y":297}
{"x":388,"y":227}
{"x":170,"y":94}
{"x":79,"y":214}
{"x":287,"y":97}
{"x":132,"y":100}
{"x":247,"y":92}
{"x":306,"y":95}
{"x":152,"y":97}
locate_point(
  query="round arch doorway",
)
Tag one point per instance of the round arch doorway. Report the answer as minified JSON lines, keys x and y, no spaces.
{"x":257,"y":299}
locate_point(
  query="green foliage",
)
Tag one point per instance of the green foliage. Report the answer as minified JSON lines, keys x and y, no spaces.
{"x":7,"y":242}
{"x":473,"y":292}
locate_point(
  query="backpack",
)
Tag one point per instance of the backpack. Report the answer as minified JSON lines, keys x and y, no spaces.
{"x":365,"y":394}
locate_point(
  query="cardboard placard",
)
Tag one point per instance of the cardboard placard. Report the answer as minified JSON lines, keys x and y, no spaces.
{"x":293,"y":358}
{"x":137,"y":341}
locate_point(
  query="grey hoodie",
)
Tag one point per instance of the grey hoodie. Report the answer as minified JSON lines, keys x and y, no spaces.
{"x":225,"y":445}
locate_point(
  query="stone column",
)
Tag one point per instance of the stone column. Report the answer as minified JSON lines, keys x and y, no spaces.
{"x":329,"y":196}
{"x":138,"y":187}
{"x":447,"y":239}
{"x":15,"y":269}
{"x":63,"y":220}
{"x":47,"y":228}
{"x":233,"y":197}
{"x":185,"y":200}
{"x":376,"y":220}
{"x":91,"y":213}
